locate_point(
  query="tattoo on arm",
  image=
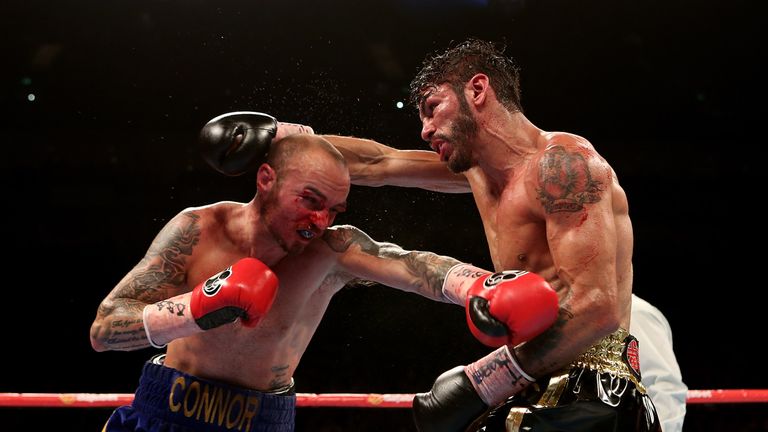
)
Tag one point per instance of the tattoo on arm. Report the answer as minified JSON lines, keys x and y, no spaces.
{"x":163,"y":268}
{"x":176,"y":242}
{"x":552,"y":337}
{"x":164,"y":265}
{"x":124,"y":338}
{"x":565,"y":182}
{"x":428,"y":269}
{"x":125,"y":323}
{"x":431,"y":267}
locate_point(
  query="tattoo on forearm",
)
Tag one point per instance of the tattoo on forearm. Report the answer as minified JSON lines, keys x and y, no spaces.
{"x":128,"y":334}
{"x":428,"y":269}
{"x":565,"y":182}
{"x":122,"y":334}
{"x":122,"y":338}
{"x":553,"y":336}
{"x":122,"y":323}
{"x":433,"y":267}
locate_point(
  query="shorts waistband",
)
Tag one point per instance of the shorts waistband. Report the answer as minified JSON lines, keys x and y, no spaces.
{"x":616,"y":354}
{"x":207,"y":405}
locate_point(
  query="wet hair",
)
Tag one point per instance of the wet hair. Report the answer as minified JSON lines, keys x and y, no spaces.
{"x":457,"y":64}
{"x":283,"y":151}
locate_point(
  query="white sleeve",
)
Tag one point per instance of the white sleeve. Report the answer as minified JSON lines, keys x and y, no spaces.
{"x":658,"y":365}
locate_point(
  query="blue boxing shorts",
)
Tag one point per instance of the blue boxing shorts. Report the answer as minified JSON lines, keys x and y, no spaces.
{"x":169,"y":400}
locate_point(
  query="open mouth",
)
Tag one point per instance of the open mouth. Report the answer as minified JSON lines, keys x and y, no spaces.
{"x":436,"y":146}
{"x":442,"y":148}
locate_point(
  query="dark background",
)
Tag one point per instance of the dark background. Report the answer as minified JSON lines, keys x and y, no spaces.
{"x":670,"y":92}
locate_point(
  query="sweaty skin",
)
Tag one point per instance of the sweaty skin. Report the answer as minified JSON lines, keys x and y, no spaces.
{"x":566,"y":220}
{"x":549,"y":204}
{"x":289,"y":231}
{"x":266,"y":357}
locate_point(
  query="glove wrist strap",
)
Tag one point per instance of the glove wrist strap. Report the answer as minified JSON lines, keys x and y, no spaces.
{"x":458,"y":281}
{"x":498,"y":376}
{"x":284,"y":129}
{"x":169,"y":319}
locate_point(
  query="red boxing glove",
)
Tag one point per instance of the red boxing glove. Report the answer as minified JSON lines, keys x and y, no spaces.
{"x":510,"y":307}
{"x":245,"y":290}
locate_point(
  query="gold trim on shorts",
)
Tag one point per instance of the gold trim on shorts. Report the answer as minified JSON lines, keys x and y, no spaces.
{"x":606,"y":356}
{"x":515,"y":418}
{"x":549,"y":398}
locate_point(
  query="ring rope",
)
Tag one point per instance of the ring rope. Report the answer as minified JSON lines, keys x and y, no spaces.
{"x":341,"y":400}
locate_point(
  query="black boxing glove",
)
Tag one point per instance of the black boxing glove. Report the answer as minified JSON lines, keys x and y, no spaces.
{"x":451,"y":406}
{"x":237,"y":142}
{"x":460,"y":396}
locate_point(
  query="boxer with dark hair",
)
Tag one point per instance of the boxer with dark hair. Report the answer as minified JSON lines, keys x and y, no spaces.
{"x":236,"y":290}
{"x":550,"y":204}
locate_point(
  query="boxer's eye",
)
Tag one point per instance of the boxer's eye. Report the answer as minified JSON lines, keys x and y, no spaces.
{"x":311,"y":202}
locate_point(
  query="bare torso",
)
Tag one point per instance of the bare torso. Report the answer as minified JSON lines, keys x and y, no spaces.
{"x":516,"y":230}
{"x":264,"y":357}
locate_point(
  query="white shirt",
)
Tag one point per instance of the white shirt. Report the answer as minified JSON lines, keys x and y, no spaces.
{"x":658,"y":365}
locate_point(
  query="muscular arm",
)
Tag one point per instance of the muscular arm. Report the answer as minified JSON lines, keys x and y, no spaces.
{"x":418,"y":272}
{"x":571,"y":189}
{"x":161,"y":274}
{"x":375,"y":164}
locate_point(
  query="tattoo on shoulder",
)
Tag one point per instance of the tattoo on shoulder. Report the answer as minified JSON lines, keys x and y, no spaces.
{"x":565,"y":182}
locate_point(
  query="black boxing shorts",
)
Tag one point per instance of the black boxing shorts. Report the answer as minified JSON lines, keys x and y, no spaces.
{"x":599,"y":391}
{"x":169,"y":400}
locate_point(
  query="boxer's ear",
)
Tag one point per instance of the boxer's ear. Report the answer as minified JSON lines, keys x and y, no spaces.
{"x":477,"y":89}
{"x":266,"y":178}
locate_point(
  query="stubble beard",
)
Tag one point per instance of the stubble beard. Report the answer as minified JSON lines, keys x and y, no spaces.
{"x":463,"y":131}
{"x":266,"y":211}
